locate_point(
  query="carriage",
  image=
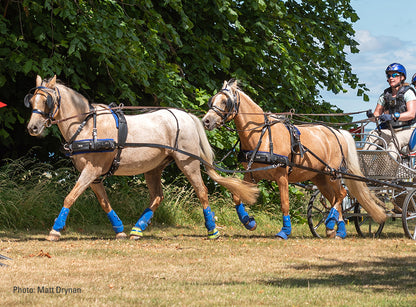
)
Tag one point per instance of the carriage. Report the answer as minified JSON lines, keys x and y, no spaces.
{"x":389,"y":176}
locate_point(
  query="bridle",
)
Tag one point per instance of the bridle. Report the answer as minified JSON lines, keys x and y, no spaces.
{"x":53,"y":101}
{"x":231,"y":107}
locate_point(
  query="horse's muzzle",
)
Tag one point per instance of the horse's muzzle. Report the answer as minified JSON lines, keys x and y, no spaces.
{"x":209,"y":122}
{"x":35,"y":129}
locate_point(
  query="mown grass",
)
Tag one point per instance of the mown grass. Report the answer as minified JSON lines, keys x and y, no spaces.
{"x":178,"y":266}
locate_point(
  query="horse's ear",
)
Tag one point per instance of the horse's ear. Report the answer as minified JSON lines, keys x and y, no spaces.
{"x":225,"y":84}
{"x":52,"y":82}
{"x":38,"y":81}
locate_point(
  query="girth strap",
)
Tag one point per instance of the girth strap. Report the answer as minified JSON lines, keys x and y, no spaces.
{"x":295,"y":144}
{"x":122,"y":136}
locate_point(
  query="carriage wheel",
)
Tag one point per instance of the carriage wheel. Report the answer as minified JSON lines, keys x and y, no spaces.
{"x":364,"y":224}
{"x":409,"y":215}
{"x":318,"y":210}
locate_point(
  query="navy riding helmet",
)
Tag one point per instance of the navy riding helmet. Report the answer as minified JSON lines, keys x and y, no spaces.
{"x":396,"y":67}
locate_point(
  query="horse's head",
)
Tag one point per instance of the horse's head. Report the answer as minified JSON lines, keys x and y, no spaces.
{"x":223,"y":106}
{"x":45,"y":101}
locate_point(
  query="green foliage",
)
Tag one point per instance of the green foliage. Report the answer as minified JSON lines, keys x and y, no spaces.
{"x":32,"y":194}
{"x":174,"y":53}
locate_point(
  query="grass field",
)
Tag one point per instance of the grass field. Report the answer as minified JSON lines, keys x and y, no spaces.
{"x":174,"y":264}
{"x":178,"y":266}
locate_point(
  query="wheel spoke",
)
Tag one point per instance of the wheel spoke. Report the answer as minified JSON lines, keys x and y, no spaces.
{"x":364,"y":224}
{"x":319,"y":211}
{"x":411,"y":217}
{"x":319,"y":223}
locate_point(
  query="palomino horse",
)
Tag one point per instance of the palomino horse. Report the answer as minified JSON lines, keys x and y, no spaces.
{"x":316,"y":149}
{"x":97,"y":146}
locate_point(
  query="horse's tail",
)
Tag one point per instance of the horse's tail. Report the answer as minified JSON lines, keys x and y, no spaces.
{"x":359,"y":189}
{"x":247,"y":191}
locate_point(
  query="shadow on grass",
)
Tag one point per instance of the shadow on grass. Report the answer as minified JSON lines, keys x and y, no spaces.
{"x":381,"y":274}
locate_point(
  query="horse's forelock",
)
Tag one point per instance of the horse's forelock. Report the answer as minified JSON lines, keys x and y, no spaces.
{"x":233,"y":84}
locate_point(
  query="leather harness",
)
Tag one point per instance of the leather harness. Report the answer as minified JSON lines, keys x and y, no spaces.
{"x":74,"y":147}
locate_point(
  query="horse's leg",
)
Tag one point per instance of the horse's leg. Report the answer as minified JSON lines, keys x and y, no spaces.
{"x":88,"y":175}
{"x":283,"y":184}
{"x":192,"y":171}
{"x":102,"y":197}
{"x":248,"y":221}
{"x":334,"y":192}
{"x":153,"y":181}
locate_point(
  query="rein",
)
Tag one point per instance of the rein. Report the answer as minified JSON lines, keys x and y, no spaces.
{"x":119,"y":107}
{"x":233,"y":102}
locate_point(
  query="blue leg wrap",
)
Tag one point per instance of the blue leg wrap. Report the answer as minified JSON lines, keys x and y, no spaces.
{"x":61,"y":219}
{"x":209,"y":219}
{"x":286,"y":229}
{"x":115,"y":221}
{"x":144,"y":219}
{"x":332,"y":218}
{"x":341,"y":231}
{"x":248,"y":221}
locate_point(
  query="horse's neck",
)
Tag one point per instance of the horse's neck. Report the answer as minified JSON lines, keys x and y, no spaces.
{"x":248,"y":122}
{"x":72,"y":104}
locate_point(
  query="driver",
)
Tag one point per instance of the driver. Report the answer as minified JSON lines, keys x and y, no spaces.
{"x":396,"y":110}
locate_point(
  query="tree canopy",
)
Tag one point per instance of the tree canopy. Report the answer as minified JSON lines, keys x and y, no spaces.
{"x":173,"y":53}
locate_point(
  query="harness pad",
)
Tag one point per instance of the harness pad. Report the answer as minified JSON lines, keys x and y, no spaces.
{"x":86,"y":146}
{"x":264,"y":157}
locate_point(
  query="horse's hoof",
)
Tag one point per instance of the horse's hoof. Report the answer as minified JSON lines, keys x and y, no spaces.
{"x":250,"y":223}
{"x":282,"y":235}
{"x":54,"y":236}
{"x":134,"y":237}
{"x":339,"y":238}
{"x":136,"y":233}
{"x":121,"y":236}
{"x":213,"y":234}
{"x":330,"y":233}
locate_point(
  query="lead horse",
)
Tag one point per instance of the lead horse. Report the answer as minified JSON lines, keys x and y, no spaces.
{"x":150,"y":142}
{"x":319,"y":149}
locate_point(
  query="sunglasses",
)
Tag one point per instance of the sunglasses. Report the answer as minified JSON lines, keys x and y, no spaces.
{"x":394,"y":75}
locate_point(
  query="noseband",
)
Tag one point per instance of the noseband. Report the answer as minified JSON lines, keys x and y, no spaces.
{"x":51,"y":101}
{"x":231,"y":108}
